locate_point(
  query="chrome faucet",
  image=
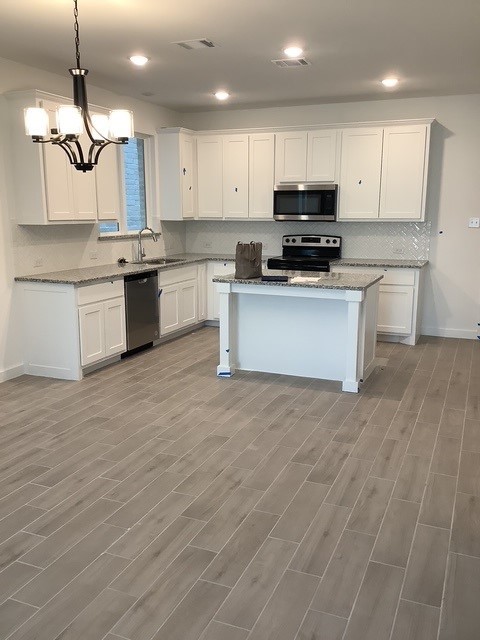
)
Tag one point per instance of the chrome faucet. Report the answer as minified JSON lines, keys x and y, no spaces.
{"x":141,"y":252}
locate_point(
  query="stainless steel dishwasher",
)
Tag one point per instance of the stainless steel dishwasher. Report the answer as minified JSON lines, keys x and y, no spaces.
{"x":142,"y":309}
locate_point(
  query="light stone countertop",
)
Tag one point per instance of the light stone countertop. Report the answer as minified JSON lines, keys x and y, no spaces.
{"x":380,"y":262}
{"x":89,"y":275}
{"x":344,"y":281}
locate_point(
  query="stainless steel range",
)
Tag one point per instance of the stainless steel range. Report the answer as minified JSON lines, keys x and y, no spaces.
{"x":307,"y":253}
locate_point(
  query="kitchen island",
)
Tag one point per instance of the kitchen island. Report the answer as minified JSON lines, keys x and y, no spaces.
{"x":313,"y":325}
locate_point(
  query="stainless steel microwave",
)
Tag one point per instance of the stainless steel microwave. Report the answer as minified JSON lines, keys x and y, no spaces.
{"x":314,"y":202}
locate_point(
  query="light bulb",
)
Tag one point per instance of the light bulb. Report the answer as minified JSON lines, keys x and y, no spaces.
{"x":100,"y":126}
{"x":36,"y":122}
{"x":222,"y":95}
{"x":293,"y":52}
{"x":139,"y":61}
{"x":121,"y":124}
{"x":69,"y":120}
{"x":390,"y":82}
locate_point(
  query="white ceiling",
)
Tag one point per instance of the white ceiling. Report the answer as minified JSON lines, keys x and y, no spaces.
{"x":433,"y":46}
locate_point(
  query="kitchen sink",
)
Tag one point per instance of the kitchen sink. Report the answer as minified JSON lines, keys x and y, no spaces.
{"x":162,"y":261}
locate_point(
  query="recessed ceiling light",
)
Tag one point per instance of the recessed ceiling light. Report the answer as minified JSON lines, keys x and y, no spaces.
{"x":221,"y":95}
{"x":390,"y":82}
{"x":139,"y":61}
{"x":293,"y":52}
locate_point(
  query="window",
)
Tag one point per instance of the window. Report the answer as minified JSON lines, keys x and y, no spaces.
{"x":135,"y":196}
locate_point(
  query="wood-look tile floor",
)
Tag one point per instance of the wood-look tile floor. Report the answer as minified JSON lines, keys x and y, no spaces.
{"x":155,"y":501}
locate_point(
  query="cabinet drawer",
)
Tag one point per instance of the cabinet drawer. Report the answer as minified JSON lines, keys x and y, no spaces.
{"x":390,"y":276}
{"x":180,"y":274}
{"x":101,"y":291}
{"x":397,"y":276}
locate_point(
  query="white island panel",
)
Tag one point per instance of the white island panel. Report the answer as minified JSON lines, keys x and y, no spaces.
{"x":313,"y":331}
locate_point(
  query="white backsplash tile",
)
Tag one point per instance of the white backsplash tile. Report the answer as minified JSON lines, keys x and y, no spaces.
{"x":71,"y":246}
{"x":392,"y":240}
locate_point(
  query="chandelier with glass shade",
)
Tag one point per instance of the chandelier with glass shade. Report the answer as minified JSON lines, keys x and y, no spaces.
{"x":73,"y":120}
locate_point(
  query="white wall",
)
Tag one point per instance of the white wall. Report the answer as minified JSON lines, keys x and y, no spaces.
{"x":452,"y":291}
{"x":59,"y":247}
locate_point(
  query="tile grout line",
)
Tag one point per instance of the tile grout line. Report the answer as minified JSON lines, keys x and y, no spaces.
{"x":452,"y":520}
{"x":387,"y":506}
{"x":423,"y":494}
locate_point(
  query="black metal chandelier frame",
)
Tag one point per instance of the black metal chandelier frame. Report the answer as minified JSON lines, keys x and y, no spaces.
{"x":70,"y":142}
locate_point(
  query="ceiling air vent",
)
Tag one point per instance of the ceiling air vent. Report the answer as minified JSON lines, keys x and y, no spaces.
{"x":203,"y":43}
{"x":291,"y":62}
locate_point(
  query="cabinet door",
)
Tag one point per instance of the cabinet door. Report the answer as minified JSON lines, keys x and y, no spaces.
{"x":108,"y":184}
{"x":202,"y":292}
{"x":58,"y":175}
{"x":261,"y":175}
{"x":169,"y":309}
{"x":188,"y":303}
{"x":187,"y":154}
{"x":359,"y":184}
{"x":115,"y":332}
{"x":395,"y":309}
{"x":235,"y":176}
{"x":92,"y":333}
{"x":209,"y":176}
{"x":84,"y":189}
{"x":322,"y":154}
{"x":403,"y":168}
{"x":291,"y":156}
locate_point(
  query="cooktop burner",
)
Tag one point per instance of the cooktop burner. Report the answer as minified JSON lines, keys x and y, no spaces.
{"x":307,"y":253}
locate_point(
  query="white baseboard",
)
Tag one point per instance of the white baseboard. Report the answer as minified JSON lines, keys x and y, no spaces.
{"x":11,"y":372}
{"x":469,"y":334}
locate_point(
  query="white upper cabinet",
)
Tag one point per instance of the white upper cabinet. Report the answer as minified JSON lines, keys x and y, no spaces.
{"x":302,"y":156}
{"x":187,"y":161}
{"x":381,"y":171}
{"x":261,"y":175}
{"x":291,"y":156}
{"x":360,"y":173}
{"x":57,"y":192}
{"x":235,"y":176}
{"x":176,"y":174}
{"x":210,"y":176}
{"x":402,"y":192}
{"x":321,"y":155}
{"x":108,"y":181}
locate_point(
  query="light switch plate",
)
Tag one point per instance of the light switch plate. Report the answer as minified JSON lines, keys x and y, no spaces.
{"x":474,"y":223}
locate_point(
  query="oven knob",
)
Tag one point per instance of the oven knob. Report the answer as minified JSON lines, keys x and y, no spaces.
{"x":293,"y":240}
{"x":287,"y":239}
{"x":334,"y":241}
{"x":327,"y":241}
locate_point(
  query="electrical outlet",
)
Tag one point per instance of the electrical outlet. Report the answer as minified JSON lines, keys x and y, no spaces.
{"x":93,"y":255}
{"x":207,"y":244}
{"x":474,"y":223}
{"x":38,"y":262}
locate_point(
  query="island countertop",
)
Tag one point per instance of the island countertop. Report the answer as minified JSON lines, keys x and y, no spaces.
{"x":343,"y":281}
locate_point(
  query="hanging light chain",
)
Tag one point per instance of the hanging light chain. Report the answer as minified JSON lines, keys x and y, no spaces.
{"x":77,"y":33}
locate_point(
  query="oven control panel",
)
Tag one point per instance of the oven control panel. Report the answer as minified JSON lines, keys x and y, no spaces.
{"x":311,"y":241}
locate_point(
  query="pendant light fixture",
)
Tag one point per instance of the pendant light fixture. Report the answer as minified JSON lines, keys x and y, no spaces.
{"x":73,"y":120}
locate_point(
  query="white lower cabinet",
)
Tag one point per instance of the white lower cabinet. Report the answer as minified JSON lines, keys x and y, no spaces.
{"x":101,"y":322}
{"x":216,"y":269}
{"x":202,"y":292}
{"x":398,"y":302}
{"x":169,"y":309}
{"x":179,"y":300}
{"x":395,"y":309}
{"x":68,"y":328}
{"x":92,"y":332}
